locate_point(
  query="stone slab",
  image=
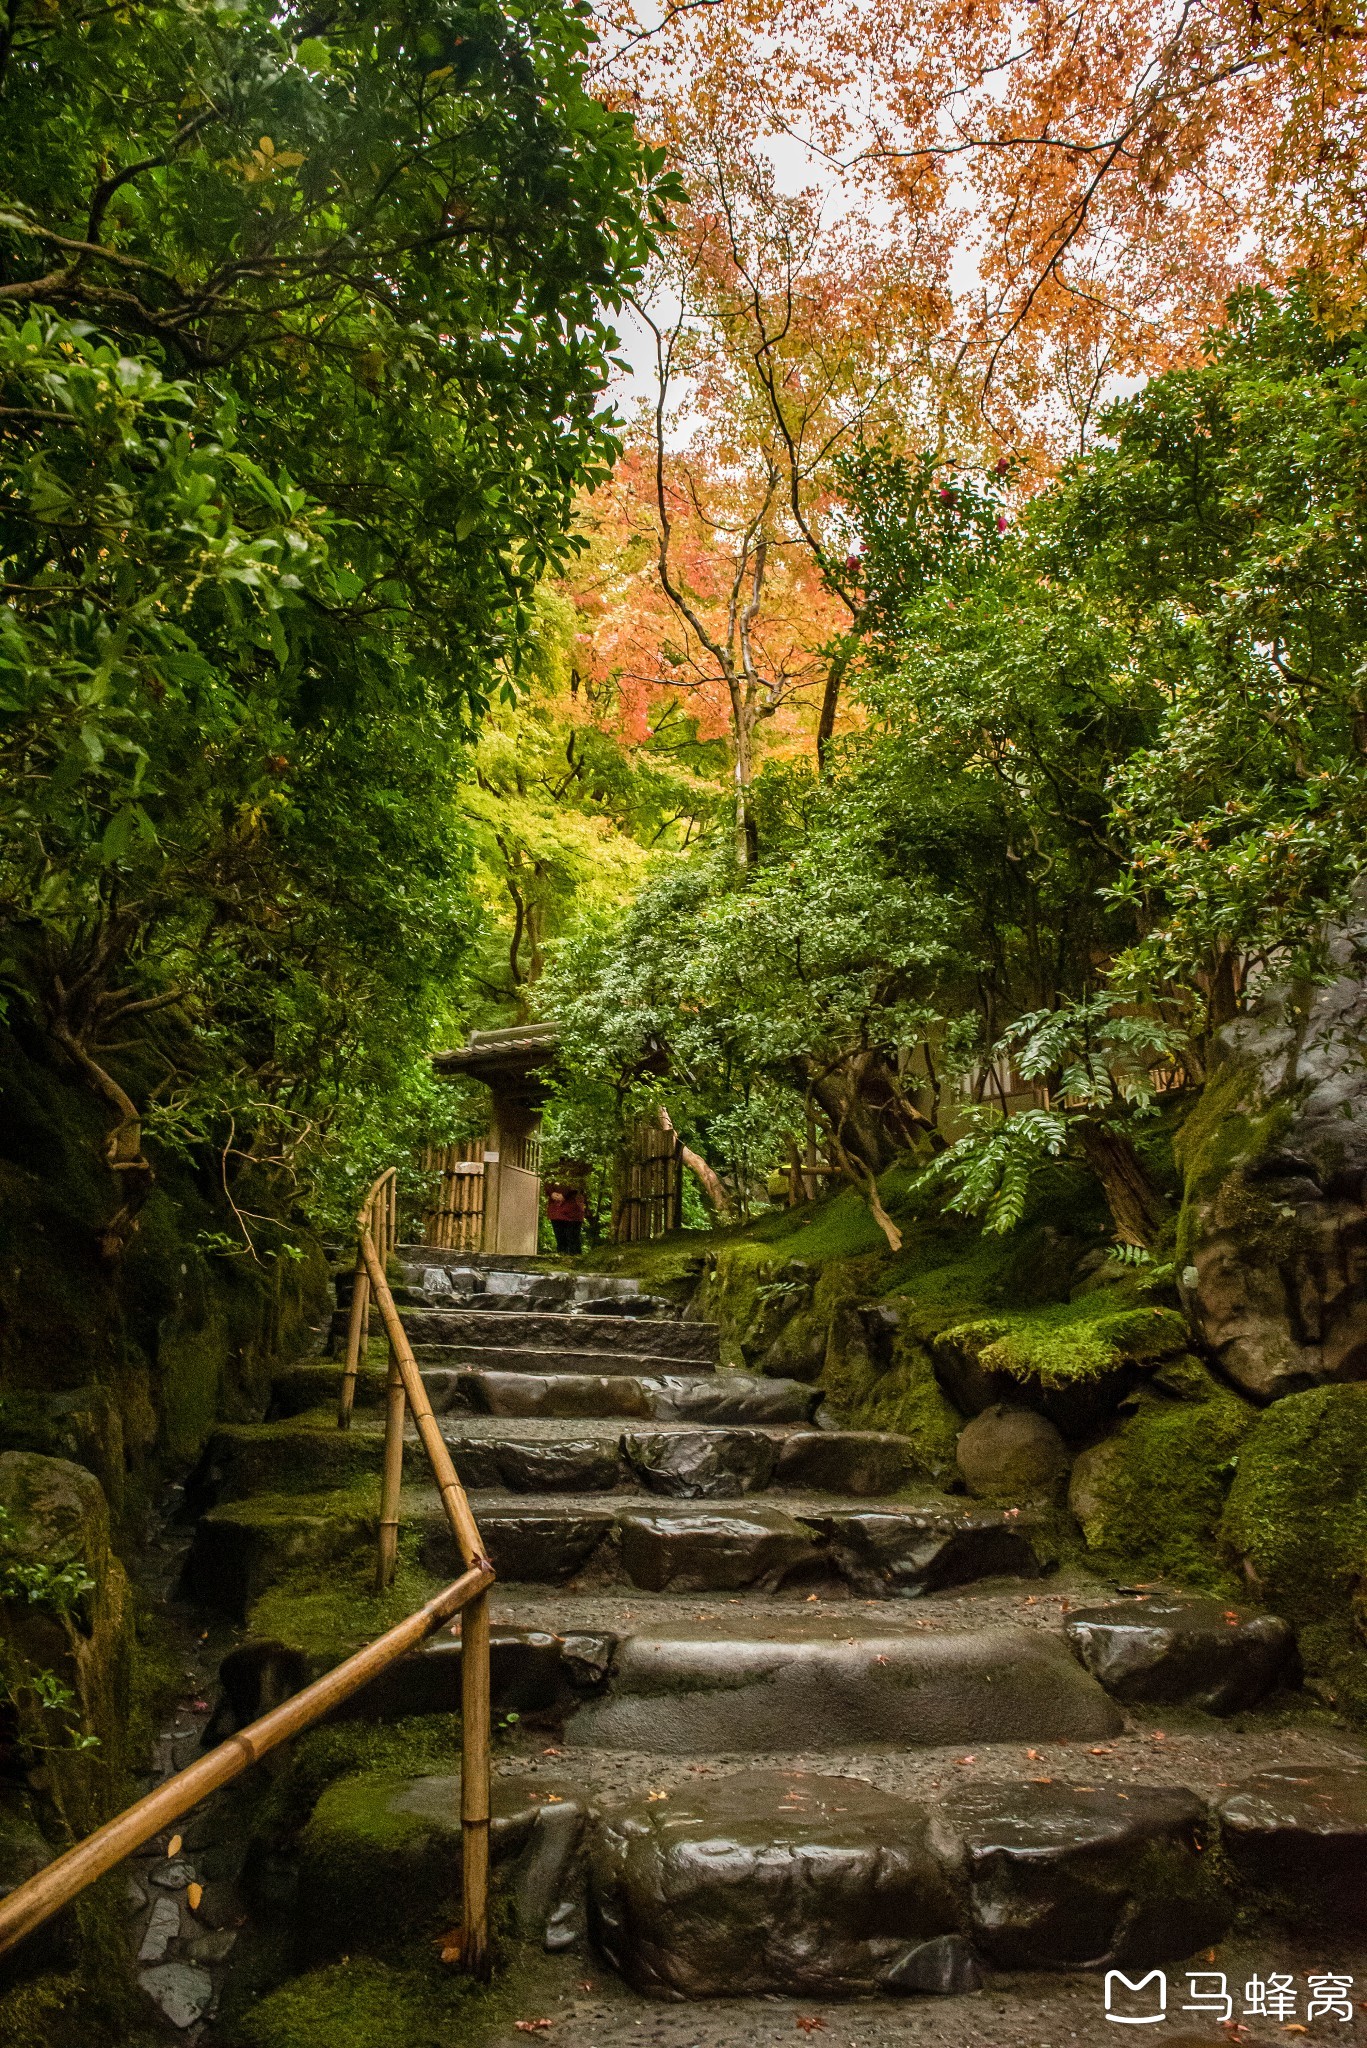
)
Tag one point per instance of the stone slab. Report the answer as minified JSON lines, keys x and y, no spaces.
{"x":860,"y":1462}
{"x":884,"y":1552}
{"x":712,"y":1552}
{"x":1173,"y":1652}
{"x":677,"y":1695}
{"x":1300,"y":1836}
{"x":1065,"y":1877}
{"x":787,"y":1883}
{"x":701,"y":1464}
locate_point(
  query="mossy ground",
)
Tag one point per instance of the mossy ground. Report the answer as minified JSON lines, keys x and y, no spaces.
{"x":363,"y":2002}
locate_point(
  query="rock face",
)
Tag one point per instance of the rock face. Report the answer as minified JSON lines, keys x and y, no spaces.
{"x":1009,"y":1453}
{"x":853,"y":1461}
{"x":1190,"y":1653}
{"x":1273,"y":1241}
{"x":1063,"y":1877}
{"x":775,"y":1882}
{"x":1301,"y":1836}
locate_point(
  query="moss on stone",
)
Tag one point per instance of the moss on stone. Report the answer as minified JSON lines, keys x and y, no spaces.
{"x":1296,"y":1521}
{"x":907,"y":1400}
{"x":331,"y":1618}
{"x":1071,"y":1340}
{"x":1157,"y":1491}
{"x":364,"y":2003}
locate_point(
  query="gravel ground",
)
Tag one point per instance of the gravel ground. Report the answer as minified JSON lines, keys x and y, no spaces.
{"x":589,"y":2009}
{"x":990,"y":1603}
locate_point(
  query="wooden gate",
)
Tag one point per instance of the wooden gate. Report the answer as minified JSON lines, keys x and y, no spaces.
{"x":648,"y":1191}
{"x":455,"y":1220}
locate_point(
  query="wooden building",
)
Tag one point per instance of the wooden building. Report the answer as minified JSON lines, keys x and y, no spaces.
{"x":489,"y":1193}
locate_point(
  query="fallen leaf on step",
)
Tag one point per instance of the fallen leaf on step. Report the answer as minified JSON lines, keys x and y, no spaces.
{"x":965,"y":1759}
{"x":449,"y":1945}
{"x":1041,"y":1781}
{"x":1102,"y":1749}
{"x":555,"y":1799}
{"x":814,"y":2025}
{"x":533,"y":2026}
{"x":1032,"y":1756}
{"x":657,"y":1795}
{"x":552,"y":1752}
{"x":585,"y":1985}
{"x":810,"y":1598}
{"x":173,"y":1847}
{"x":193,"y":1894}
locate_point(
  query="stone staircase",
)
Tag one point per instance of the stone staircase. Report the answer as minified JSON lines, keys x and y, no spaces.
{"x":777,"y":1720}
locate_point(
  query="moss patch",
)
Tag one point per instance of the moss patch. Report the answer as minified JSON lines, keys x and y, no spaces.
{"x":363,"y":2003}
{"x":1071,"y":1340}
{"x":907,"y":1399}
{"x":331,"y":1619}
{"x":1297,"y":1519}
{"x":1158,"y":1488}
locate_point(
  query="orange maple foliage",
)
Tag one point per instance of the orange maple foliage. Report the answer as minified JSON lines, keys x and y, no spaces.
{"x":999,"y":214}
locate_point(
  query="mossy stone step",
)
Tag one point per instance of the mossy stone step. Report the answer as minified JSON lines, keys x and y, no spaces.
{"x":380,"y":1863}
{"x":677,"y":1460}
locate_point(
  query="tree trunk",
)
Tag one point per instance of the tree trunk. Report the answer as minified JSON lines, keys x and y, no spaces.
{"x":714,"y":1194}
{"x":1137,"y":1207}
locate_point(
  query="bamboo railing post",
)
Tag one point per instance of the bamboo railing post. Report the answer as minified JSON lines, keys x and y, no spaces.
{"x":474,"y":1787}
{"x":357,"y":1330}
{"x":391,"y":1475}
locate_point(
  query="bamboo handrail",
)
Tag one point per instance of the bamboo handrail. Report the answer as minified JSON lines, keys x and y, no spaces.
{"x":405,"y":1391}
{"x":358,"y":1323}
{"x":35,"y":1901}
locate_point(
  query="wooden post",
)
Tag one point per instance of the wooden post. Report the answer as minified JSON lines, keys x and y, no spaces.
{"x":474,"y":1787}
{"x":358,"y":1328}
{"x":391,"y":1477}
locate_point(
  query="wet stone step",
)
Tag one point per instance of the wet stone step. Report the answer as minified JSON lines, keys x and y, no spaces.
{"x":1161,"y":1651}
{"x":686,"y":1694}
{"x":767,"y":1883}
{"x":681,"y":1546}
{"x":1064,"y":1877}
{"x":1300,"y":1838}
{"x":641,"y":1360}
{"x":695,"y":1343}
{"x":722,"y":1397}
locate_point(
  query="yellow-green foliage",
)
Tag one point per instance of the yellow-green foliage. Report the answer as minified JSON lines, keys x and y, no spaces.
{"x":1297,"y":1514}
{"x":1070,"y":1340}
{"x":1161,"y":1482}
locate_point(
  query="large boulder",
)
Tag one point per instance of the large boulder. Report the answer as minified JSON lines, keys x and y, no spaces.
{"x":775,"y":1882}
{"x":1064,"y":1877}
{"x":1012,"y":1454}
{"x":1182,"y":1653}
{"x":1273,"y":1237}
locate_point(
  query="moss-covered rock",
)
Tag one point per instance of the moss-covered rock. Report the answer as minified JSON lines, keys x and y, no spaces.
{"x":1150,"y":1497}
{"x":243,"y":1547}
{"x":1272,"y":1239}
{"x":1296,"y":1523}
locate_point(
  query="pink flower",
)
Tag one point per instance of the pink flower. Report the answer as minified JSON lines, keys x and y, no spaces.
{"x":1001,"y":522}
